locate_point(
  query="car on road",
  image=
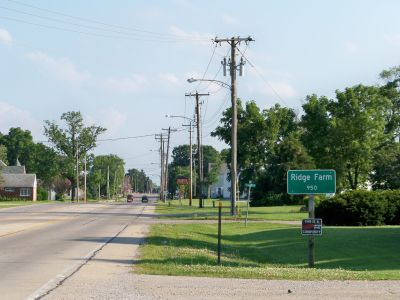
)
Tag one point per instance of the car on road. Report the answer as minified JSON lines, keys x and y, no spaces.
{"x":145,"y":199}
{"x":129,"y":198}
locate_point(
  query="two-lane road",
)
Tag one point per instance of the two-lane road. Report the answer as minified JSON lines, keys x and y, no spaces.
{"x":39,"y":243}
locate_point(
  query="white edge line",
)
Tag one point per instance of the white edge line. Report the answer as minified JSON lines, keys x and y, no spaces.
{"x":53,"y":283}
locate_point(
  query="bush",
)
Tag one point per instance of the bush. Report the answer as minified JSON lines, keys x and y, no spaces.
{"x":277,"y":199}
{"x":41,"y":194}
{"x":5,"y":199}
{"x":361,"y":208}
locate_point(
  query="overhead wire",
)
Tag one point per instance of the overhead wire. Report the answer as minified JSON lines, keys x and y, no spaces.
{"x":124,"y":34}
{"x":103,"y":23}
{"x":85,"y":32}
{"x":262,"y":77}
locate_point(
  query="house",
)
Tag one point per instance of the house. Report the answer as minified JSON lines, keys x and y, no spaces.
{"x":222,"y":188}
{"x":15,"y":183}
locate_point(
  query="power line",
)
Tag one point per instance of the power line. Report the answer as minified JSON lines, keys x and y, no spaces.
{"x":208,"y":65}
{"x":137,"y":35}
{"x":100,"y":22}
{"x":126,"y":138}
{"x":89,"y":33}
{"x":262,"y":77}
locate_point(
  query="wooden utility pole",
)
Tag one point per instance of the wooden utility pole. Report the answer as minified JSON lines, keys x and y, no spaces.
{"x":233,"y":42}
{"x":191,"y":163}
{"x":108,"y":182}
{"x":77,"y":172}
{"x":199,"y":146}
{"x":84,"y":195}
{"x":100,"y":185}
{"x":166,"y":158}
{"x":160,"y":137}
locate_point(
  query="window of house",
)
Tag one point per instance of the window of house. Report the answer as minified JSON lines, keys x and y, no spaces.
{"x":9,"y":190}
{"x":25,"y":192}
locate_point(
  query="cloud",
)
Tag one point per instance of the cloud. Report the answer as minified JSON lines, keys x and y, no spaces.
{"x":229,"y":20}
{"x":170,"y":78}
{"x":393,"y":39}
{"x":133,"y":83}
{"x":352,"y":47}
{"x":5,"y":37}
{"x":11,"y":116}
{"x":111,"y":119}
{"x":283,"y":88}
{"x":61,"y":68}
{"x":183,"y":3}
{"x":201,"y":38}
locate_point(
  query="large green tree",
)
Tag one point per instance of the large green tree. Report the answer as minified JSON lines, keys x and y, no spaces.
{"x":19,"y":144}
{"x":72,"y":140}
{"x":344,"y":133}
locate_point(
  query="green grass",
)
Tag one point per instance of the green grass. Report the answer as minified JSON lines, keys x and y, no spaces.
{"x":272,"y":251}
{"x":13,"y":203}
{"x":174,"y":209}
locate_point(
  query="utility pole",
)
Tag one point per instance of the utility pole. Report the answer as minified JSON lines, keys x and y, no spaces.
{"x":166,"y":159}
{"x":199,"y":146}
{"x":191,"y":164}
{"x":108,"y":182}
{"x":159,"y":137}
{"x":100,"y":185}
{"x":233,"y":42}
{"x":84,"y":195}
{"x":77,"y":172}
{"x":115,"y":178}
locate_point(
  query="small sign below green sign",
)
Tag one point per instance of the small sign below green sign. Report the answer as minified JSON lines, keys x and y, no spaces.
{"x":311,"y":182}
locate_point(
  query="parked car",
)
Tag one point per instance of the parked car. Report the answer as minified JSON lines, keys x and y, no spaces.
{"x":145,"y":199}
{"x":129,"y":198}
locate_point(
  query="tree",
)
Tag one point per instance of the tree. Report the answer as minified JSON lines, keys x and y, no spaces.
{"x":103,"y":164}
{"x":3,"y":154}
{"x":61,"y":186}
{"x":386,"y":169}
{"x":391,"y":90}
{"x":75,"y":140}
{"x":358,"y":120}
{"x":44,"y":163}
{"x":317,"y":135}
{"x":19,"y":144}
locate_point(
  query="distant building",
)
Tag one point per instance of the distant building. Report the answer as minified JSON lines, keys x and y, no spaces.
{"x":222,"y":188}
{"x":15,"y":183}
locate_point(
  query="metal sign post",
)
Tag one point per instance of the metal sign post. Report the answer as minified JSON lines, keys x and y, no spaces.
{"x":311,"y":182}
{"x":311,"y":238}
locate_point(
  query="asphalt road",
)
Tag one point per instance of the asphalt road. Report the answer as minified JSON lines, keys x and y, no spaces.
{"x":42,"y":244}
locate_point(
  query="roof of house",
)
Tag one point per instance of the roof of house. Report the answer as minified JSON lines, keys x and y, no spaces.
{"x":18,"y":180}
{"x":13,"y":170}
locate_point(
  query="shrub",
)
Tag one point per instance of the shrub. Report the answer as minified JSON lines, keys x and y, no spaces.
{"x":5,"y":199}
{"x":361,"y":208}
{"x":277,"y":199}
{"x":41,"y":194}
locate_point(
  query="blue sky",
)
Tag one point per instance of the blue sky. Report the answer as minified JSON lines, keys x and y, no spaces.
{"x":128,"y":80}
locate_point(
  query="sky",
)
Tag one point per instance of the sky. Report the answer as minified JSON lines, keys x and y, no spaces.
{"x":124,"y":64}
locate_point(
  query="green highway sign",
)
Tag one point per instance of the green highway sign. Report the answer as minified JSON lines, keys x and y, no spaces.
{"x":311,"y":182}
{"x":251,"y":185}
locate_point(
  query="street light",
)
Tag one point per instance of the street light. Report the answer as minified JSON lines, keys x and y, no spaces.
{"x":233,"y":136}
{"x":190,"y":150}
{"x":221,"y":83}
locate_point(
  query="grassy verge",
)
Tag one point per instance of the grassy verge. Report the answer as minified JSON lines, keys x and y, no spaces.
{"x":181,"y":210}
{"x":6,"y":204}
{"x":272,"y":251}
